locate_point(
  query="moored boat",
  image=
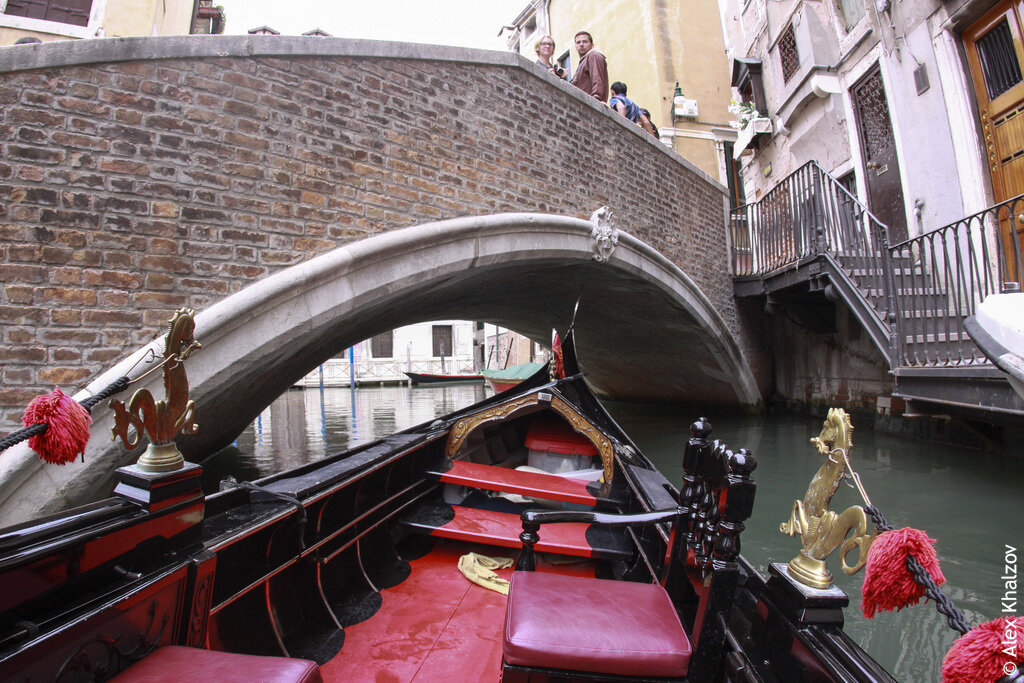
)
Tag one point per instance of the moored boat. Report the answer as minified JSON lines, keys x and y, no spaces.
{"x":429,"y":378}
{"x":506,"y":378}
{"x":997,"y":327}
{"x":353,"y":563}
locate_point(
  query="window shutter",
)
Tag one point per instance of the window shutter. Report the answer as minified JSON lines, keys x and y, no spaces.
{"x":75,"y":12}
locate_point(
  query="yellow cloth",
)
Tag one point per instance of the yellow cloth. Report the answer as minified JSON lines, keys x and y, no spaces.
{"x":480,"y":570}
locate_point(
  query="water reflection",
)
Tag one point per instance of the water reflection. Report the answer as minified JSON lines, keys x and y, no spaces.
{"x":305,"y":425}
{"x":964,"y":499}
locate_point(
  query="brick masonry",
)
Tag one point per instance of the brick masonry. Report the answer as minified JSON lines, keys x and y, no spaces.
{"x":132,"y":187}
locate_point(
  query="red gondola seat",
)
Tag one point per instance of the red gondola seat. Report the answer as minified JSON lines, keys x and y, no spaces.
{"x":560,"y":628}
{"x":595,"y":625}
{"x":173,"y":664}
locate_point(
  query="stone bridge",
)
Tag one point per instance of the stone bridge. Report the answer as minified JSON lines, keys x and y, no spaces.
{"x":252,"y":178}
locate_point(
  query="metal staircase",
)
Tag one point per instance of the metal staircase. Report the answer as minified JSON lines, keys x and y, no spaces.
{"x":910,"y":297}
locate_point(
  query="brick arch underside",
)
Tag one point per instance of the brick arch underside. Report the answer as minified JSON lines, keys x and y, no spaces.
{"x":644,"y":330}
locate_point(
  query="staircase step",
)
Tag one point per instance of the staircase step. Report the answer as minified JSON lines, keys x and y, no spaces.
{"x":503,"y":529}
{"x":546,"y":486}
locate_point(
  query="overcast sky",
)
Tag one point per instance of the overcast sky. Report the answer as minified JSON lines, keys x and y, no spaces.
{"x":468,"y":23}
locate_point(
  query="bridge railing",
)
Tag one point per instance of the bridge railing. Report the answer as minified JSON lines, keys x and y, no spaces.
{"x":941,"y":276}
{"x":806,"y":214}
{"x":809,"y":214}
{"x":338,"y":371}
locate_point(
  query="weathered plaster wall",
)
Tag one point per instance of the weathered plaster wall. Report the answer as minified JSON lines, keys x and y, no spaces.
{"x":141,"y":175}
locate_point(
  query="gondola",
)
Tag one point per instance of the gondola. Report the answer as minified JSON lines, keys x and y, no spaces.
{"x":997,"y":328}
{"x":416,"y":378}
{"x":347,"y":568}
{"x":503,"y":379}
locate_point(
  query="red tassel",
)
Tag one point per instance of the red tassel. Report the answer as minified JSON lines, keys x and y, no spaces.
{"x":887,"y":583}
{"x":68,"y":427}
{"x":986,"y":653}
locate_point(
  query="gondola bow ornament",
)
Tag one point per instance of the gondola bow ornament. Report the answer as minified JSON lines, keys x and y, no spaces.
{"x":821,"y":530}
{"x":162,"y":420}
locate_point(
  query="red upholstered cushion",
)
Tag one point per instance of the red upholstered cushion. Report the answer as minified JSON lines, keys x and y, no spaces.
{"x":581,"y":624}
{"x":174,"y":664}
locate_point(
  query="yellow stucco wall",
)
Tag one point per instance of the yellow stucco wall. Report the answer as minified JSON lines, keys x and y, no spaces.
{"x":651,"y":44}
{"x":147,"y":17}
{"x":122,"y":18}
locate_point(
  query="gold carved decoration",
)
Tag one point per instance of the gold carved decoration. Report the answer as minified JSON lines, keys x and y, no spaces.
{"x":602,"y":443}
{"x":820,"y":529}
{"x":463,"y":427}
{"x":162,"y":420}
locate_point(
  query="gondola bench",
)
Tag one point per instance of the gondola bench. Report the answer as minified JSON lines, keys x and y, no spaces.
{"x":174,"y":664}
{"x":559,"y":627}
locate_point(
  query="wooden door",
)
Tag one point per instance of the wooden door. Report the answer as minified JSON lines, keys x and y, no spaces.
{"x":878,"y":149}
{"x":995,"y":53}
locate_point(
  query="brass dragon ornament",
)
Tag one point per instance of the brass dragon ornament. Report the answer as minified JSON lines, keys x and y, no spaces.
{"x":821,"y":530}
{"x":162,"y":419}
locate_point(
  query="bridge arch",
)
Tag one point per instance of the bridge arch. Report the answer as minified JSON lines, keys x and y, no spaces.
{"x":645,"y":330}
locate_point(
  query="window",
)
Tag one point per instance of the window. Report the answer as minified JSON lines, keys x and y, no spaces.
{"x":442,"y":340}
{"x":75,"y":12}
{"x":998,"y":60}
{"x":383,"y":345}
{"x":746,"y":78}
{"x":852,"y":11}
{"x":788,"y":54}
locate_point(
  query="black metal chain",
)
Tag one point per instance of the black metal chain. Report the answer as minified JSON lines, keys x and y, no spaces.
{"x":943,"y":603}
{"x":117,"y":386}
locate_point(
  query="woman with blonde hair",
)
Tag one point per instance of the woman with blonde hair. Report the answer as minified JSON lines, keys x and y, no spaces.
{"x":545,"y":48}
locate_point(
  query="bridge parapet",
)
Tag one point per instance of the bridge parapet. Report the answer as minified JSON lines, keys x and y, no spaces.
{"x":146,"y":174}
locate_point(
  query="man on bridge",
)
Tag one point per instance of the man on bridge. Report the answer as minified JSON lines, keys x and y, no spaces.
{"x":592,"y":73}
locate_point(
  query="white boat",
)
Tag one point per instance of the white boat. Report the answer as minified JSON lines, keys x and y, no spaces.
{"x":997,"y":327}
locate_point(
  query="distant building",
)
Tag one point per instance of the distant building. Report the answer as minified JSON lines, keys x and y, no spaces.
{"x":438,"y":347}
{"x":63,"y":19}
{"x":263,"y":31}
{"x":317,"y":32}
{"x":677,"y":42}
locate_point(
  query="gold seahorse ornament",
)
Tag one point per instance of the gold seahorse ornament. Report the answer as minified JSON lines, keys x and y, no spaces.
{"x":820,"y":529}
{"x":162,"y":420}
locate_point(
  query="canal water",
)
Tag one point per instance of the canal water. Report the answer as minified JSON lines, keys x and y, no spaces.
{"x":966,"y":500}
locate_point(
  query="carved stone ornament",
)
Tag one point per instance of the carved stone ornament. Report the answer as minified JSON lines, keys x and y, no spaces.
{"x":605,"y":234}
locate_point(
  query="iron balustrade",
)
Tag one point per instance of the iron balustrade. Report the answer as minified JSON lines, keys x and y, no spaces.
{"x":805,"y":216}
{"x":919,"y":290}
{"x":941,"y":276}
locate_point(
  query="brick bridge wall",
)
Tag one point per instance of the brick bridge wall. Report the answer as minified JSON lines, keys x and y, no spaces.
{"x":141,"y":175}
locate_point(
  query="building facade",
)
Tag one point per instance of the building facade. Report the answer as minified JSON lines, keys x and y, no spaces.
{"x":913,"y":106}
{"x":652,"y":46}
{"x":443,"y":347}
{"x":47,"y":20}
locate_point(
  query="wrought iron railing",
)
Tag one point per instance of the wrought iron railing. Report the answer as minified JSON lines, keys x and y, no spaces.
{"x":941,"y":276}
{"x":920,"y":290}
{"x":808,"y":214}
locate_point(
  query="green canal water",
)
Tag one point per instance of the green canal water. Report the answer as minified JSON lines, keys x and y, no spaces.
{"x":966,"y":500}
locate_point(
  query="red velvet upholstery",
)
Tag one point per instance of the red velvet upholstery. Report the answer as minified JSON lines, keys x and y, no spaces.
{"x":175,"y":664}
{"x":581,"y":624}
